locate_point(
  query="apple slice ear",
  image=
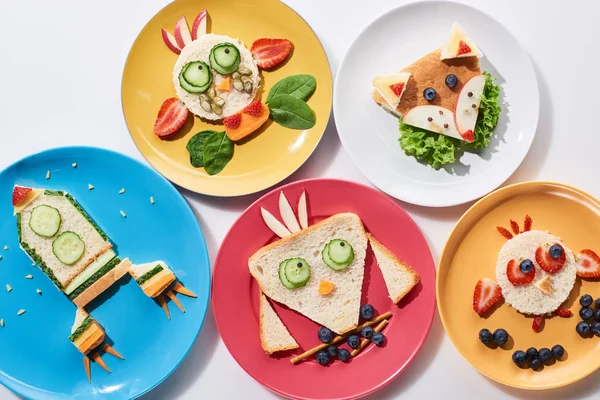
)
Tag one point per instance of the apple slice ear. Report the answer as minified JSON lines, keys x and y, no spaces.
{"x":466,"y":109}
{"x":182,"y":33}
{"x":199,"y":25}
{"x":170,"y":42}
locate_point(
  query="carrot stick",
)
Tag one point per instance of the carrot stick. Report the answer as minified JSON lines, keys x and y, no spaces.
{"x":163,"y":303}
{"x":179,"y":288}
{"x":88,"y":370}
{"x":338,"y":339}
{"x":365,"y":342}
{"x":112,"y":351}
{"x":96,"y":357}
{"x":175,"y":300}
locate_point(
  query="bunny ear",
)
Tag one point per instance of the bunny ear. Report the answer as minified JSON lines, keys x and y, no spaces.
{"x":274,"y":225}
{"x":302,"y":211}
{"x":287,"y":214}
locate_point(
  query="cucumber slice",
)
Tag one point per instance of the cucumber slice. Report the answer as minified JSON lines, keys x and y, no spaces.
{"x":282,"y":276}
{"x":325,"y":254}
{"x":297,"y":272}
{"x":191,"y":88}
{"x":197,"y":74}
{"x":224,"y":58}
{"x":340,"y":251}
{"x":45,"y":220}
{"x":68,"y":247}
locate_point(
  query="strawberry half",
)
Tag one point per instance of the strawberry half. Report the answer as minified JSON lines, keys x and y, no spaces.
{"x":233,"y":121}
{"x":487,"y":294}
{"x":516,"y":276}
{"x":254,"y":108}
{"x":588,"y":264}
{"x":514,"y":226}
{"x":269,"y":53}
{"x":19,"y":193}
{"x":528,"y":222}
{"x":537,"y":323}
{"x":563,"y":312}
{"x":505,"y":232}
{"x":546,"y":262}
{"x":397,"y":88}
{"x":469,"y":136}
{"x":171,"y":117}
{"x":463,"y":48}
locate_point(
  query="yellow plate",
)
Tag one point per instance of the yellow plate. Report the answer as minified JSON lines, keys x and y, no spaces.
{"x":470,"y":254}
{"x":259,"y":163}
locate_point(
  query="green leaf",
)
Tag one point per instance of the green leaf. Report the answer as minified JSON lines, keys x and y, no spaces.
{"x":195,"y":147}
{"x":217,"y":152}
{"x":291,"y":112}
{"x":299,"y":86}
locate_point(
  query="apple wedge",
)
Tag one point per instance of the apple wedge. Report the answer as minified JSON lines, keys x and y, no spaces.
{"x":433,"y":118}
{"x":170,"y":42}
{"x":287,"y":214}
{"x":199,"y":25}
{"x":182,"y":33}
{"x":273,"y":224}
{"x":467,"y":107}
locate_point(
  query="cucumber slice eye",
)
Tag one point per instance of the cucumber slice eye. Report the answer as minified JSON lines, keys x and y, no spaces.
{"x":294,"y":273}
{"x":224,"y":58}
{"x":335,"y":251}
{"x":68,"y":247}
{"x":195,"y":77}
{"x":45,"y":220}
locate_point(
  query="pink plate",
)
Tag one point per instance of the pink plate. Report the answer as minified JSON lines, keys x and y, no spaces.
{"x":235,"y":295}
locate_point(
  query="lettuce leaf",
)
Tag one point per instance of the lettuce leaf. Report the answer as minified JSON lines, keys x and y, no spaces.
{"x":438,"y":150}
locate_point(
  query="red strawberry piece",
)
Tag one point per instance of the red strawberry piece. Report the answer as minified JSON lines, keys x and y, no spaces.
{"x":514,"y":226}
{"x":588,"y":264}
{"x":254,"y":108}
{"x":528,"y":223}
{"x":269,"y":53}
{"x":397,"y":88}
{"x":469,"y":136}
{"x":537,"y":323}
{"x":233,"y":121}
{"x":171,"y":117}
{"x":19,"y":193}
{"x":515,"y":276}
{"x":504,"y":232}
{"x":563,"y":312}
{"x":487,"y":294}
{"x":463,"y":48}
{"x":546,"y":262}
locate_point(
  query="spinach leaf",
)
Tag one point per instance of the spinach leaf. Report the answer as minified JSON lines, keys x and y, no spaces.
{"x":195,"y":146}
{"x":291,"y":112}
{"x":299,"y":86}
{"x":217,"y":152}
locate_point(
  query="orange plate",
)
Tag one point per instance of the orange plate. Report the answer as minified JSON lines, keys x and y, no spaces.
{"x":274,"y":152}
{"x":470,"y":254}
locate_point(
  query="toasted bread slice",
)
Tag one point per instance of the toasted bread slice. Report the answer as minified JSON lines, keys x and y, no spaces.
{"x":339,"y":310}
{"x":274,"y":336}
{"x":153,"y":277}
{"x":399,"y":277}
{"x":102,"y":284}
{"x":86,"y":333}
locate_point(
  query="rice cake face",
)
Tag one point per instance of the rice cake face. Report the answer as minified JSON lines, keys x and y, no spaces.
{"x":529,"y":298}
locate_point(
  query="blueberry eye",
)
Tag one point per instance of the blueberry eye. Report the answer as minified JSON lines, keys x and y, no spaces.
{"x":526,"y":266}
{"x":451,"y":80}
{"x":429,"y":94}
{"x":555,"y":251}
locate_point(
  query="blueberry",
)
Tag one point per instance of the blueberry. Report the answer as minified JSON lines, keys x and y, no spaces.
{"x":596,"y":328}
{"x":485,"y":336}
{"x":366,"y":332}
{"x":532,"y":353}
{"x":429,"y":94}
{"x":558,"y":351}
{"x":343,"y":355}
{"x":597,"y":315}
{"x":583,"y":328}
{"x":500,"y":336}
{"x":544,"y":354}
{"x":585,"y":300}
{"x":323,"y":357}
{"x":378,"y":338}
{"x":597,"y":304}
{"x":325,"y":335}
{"x":353,"y":341}
{"x":451,"y":80}
{"x":535,"y":363}
{"x":555,"y":252}
{"x":367,"y":311}
{"x":526,"y":266}
{"x":332,"y":350}
{"x":519,"y":357}
{"x":586,"y":313}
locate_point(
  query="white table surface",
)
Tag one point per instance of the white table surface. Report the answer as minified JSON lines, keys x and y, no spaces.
{"x":52,"y":52}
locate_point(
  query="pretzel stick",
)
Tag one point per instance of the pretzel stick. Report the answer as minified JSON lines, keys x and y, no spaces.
{"x":338,"y":339}
{"x":365,"y":342}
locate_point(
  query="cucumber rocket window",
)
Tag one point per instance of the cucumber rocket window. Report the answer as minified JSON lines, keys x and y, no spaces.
{"x":45,"y":220}
{"x":294,"y":273}
{"x":68,"y":247}
{"x":225,"y":58}
{"x":338,"y":254}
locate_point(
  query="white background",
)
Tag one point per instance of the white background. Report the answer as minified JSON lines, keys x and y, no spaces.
{"x":60,"y":70}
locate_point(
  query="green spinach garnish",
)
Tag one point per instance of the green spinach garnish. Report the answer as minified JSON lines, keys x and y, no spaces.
{"x":300,"y":86}
{"x":291,"y":112}
{"x":195,"y":146}
{"x":217,"y":152}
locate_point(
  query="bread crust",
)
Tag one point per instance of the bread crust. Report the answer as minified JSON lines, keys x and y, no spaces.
{"x":102,"y":284}
{"x":263,"y":342}
{"x":107,"y":246}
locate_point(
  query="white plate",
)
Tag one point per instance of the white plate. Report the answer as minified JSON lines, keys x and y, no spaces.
{"x":370,"y":135}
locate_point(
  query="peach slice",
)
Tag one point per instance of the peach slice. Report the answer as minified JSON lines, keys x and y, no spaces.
{"x":248,"y":124}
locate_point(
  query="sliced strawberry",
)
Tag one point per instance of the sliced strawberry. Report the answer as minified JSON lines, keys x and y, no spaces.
{"x":19,"y":193}
{"x":171,"y":117}
{"x":269,"y":53}
{"x":588,"y":264}
{"x":528,"y":222}
{"x":546,"y":262}
{"x":233,"y":121}
{"x":487,"y":293}
{"x":254,"y":108}
{"x":463,"y":48}
{"x":516,"y":276}
{"x":397,"y":88}
{"x":563,"y":312}
{"x":468,"y":136}
{"x":504,"y":232}
{"x":537,"y":323}
{"x":515,"y":227}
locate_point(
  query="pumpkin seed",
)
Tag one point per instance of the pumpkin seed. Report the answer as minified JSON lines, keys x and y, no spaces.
{"x":246,"y":79}
{"x":211,"y":92}
{"x":235,"y":76}
{"x":245,"y":71}
{"x":205,"y":106}
{"x":248,"y":87}
{"x":238,"y":85}
{"x":219,"y":101}
{"x":216,"y":109}
{"x":204,"y":97}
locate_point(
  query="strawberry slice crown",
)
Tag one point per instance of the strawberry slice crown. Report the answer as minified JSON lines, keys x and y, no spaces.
{"x":19,"y":193}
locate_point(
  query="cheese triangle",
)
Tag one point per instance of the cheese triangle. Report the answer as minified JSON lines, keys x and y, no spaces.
{"x":391,"y":87}
{"x":459,"y":45}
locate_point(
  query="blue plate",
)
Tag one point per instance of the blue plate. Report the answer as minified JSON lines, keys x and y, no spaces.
{"x":36,"y":358}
